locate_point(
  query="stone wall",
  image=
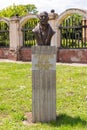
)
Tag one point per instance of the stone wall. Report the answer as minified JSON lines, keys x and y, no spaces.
{"x":16,"y":51}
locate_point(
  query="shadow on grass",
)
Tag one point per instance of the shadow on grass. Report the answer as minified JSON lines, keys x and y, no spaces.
{"x":64,"y":119}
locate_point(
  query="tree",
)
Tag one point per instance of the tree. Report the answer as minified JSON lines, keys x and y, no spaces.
{"x":20,"y":10}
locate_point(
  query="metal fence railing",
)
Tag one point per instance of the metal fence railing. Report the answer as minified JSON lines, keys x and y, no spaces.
{"x":73,"y":32}
{"x":4,"y":35}
{"x":28,"y":35}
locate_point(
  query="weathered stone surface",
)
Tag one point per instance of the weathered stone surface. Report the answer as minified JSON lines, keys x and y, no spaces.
{"x":43,"y":83}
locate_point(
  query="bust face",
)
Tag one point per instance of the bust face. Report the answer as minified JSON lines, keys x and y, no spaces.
{"x":43,"y":18}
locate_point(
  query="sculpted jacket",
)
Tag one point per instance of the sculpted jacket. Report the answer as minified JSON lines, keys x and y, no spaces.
{"x":43,"y":37}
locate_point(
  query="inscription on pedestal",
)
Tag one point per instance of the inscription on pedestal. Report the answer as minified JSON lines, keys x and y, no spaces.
{"x":44,"y":62}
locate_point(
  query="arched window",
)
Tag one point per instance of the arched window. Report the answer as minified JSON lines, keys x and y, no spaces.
{"x":73,"y":32}
{"x":28,"y":35}
{"x":4,"y":34}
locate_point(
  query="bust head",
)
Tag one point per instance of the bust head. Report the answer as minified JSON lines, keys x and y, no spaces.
{"x":43,"y":31}
{"x":43,"y":18}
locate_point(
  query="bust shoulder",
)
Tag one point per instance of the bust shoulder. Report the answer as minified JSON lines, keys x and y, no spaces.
{"x":36,"y":29}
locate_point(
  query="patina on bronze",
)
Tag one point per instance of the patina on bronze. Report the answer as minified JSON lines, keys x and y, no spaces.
{"x":43,"y":31}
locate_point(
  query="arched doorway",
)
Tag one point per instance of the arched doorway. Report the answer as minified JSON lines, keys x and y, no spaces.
{"x":27,"y":24}
{"x":4,"y":34}
{"x":28,"y":35}
{"x":72,"y":30}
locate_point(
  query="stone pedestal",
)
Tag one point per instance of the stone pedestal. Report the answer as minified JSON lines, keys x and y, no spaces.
{"x":43,"y":83}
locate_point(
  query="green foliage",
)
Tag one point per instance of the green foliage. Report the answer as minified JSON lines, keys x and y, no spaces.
{"x":72,"y":20}
{"x":20,"y":10}
{"x":71,"y":32}
{"x":4,"y":34}
{"x":71,"y":27}
{"x":29,"y":37}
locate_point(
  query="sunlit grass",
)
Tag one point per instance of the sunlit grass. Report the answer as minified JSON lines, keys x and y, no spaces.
{"x":16,"y":97}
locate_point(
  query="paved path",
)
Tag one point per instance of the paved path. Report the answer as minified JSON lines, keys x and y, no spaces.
{"x":58,"y":63}
{"x":12,"y":61}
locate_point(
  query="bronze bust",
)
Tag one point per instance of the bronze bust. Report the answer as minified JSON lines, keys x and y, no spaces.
{"x":43,"y":31}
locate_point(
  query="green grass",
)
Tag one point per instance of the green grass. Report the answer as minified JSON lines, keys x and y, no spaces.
{"x":16,"y":97}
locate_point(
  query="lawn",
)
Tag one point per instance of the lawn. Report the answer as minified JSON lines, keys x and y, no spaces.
{"x":16,"y":97}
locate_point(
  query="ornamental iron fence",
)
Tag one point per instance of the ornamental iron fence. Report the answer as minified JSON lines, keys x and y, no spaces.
{"x":73,"y":32}
{"x":28,"y":35}
{"x":4,"y":34}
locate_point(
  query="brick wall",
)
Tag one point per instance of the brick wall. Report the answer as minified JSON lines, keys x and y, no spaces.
{"x":63,"y":55}
{"x":25,"y":54}
{"x":72,"y":55}
{"x":4,"y":53}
